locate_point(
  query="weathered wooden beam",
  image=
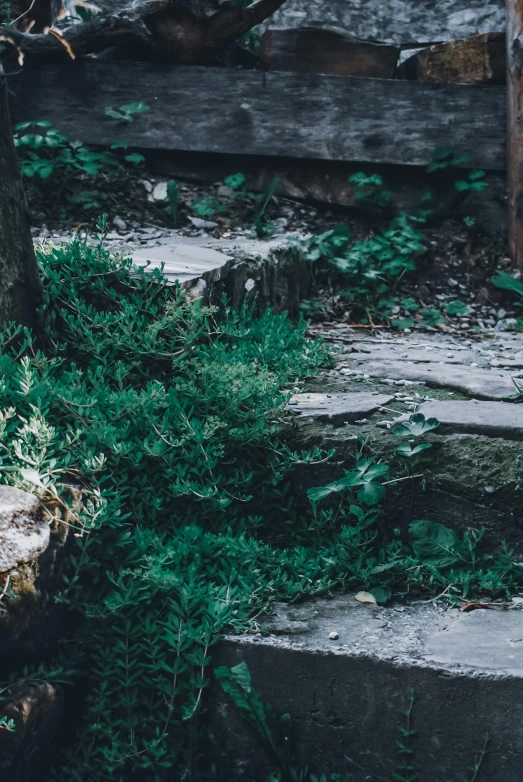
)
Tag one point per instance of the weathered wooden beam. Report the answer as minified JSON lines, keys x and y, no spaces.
{"x":515,"y":127}
{"x":480,"y":59}
{"x":296,"y":115}
{"x":316,"y":50}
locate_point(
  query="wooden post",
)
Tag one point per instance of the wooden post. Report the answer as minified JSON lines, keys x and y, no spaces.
{"x":19,"y":282}
{"x":515,"y":127}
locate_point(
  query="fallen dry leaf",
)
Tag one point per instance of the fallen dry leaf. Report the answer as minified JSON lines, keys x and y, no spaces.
{"x":365,"y":597}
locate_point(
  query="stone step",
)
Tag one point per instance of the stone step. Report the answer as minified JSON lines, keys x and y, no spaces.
{"x":491,"y":419}
{"x":338,"y":408}
{"x":490,"y":384}
{"x":273,"y":270}
{"x":343,"y":671}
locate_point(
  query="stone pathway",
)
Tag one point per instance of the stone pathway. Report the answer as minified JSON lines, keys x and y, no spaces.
{"x":343,"y":669}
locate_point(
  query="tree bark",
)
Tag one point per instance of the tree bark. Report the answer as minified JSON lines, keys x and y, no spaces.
{"x":170,"y":27}
{"x":19,"y":281}
{"x":515,"y":127}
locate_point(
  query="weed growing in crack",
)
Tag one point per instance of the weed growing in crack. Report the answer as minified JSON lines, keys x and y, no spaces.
{"x":291,"y":761}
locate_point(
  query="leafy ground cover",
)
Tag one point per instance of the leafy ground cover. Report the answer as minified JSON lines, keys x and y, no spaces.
{"x":168,"y":414}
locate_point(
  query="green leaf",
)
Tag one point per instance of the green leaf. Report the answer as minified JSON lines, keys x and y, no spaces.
{"x":135,"y":108}
{"x":434,"y":544}
{"x":371,"y":493}
{"x":381,"y":594}
{"x":173,"y":194}
{"x":457,"y":308}
{"x":416,"y":426}
{"x":134,"y":158}
{"x":407,"y":450}
{"x":235,"y":181}
{"x":504,"y":280}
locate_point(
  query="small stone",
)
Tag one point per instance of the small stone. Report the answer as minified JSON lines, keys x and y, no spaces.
{"x":224,"y":191}
{"x":147,"y":185}
{"x":160,"y":192}
{"x":119,"y":224}
{"x":333,"y":636}
{"x":501,"y":313}
{"x":198,"y":222}
{"x":422,"y":292}
{"x":452,"y":282}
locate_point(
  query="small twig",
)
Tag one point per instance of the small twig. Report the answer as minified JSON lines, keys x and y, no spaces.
{"x":6,"y":586}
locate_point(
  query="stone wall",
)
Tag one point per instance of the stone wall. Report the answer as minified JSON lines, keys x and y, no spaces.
{"x":397,"y":21}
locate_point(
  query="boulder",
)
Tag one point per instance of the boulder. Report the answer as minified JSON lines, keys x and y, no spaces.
{"x":32,"y":544}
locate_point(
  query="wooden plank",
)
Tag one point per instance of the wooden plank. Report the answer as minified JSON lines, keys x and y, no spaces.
{"x":315,"y":50}
{"x":477,"y":60}
{"x":294,"y":115}
{"x":515,"y":127}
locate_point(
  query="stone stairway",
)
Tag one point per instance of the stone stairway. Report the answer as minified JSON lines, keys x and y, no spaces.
{"x":343,"y":669}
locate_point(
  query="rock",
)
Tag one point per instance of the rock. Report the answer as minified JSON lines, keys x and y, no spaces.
{"x":224,"y":191}
{"x":337,"y":408}
{"x":491,"y":419}
{"x":461,"y":666}
{"x":119,"y":224}
{"x":24,"y":533}
{"x":147,"y":185}
{"x":32,"y":546}
{"x":159,"y":193}
{"x":36,"y":709}
{"x":317,"y":50}
{"x":198,"y":222}
{"x":397,"y":21}
{"x":472,"y":381}
{"x":280,"y":274}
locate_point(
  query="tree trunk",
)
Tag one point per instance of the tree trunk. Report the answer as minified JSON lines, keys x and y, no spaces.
{"x":19,"y":281}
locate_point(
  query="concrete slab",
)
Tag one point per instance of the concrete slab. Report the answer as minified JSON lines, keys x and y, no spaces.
{"x":347,"y":672}
{"x":337,"y":408}
{"x":183,"y":262}
{"x":491,"y":419}
{"x":472,"y":381}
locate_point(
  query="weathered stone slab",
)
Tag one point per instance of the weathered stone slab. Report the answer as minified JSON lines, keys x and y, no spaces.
{"x":273,"y":270}
{"x":491,"y":419}
{"x":347,"y":673}
{"x":473,"y":381}
{"x":183,"y":262}
{"x":337,"y":408}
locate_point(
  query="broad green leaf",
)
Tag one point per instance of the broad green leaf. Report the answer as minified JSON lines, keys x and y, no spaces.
{"x":506,"y":281}
{"x":434,"y":544}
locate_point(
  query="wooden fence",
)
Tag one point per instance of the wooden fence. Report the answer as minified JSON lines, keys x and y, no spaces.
{"x":245,"y":112}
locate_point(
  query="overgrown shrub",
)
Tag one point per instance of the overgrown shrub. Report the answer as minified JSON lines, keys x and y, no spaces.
{"x":167,"y":413}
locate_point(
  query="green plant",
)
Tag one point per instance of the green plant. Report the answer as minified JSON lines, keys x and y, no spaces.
{"x":289,"y":759}
{"x":7,"y":725}
{"x":127,"y":112}
{"x":369,"y":190}
{"x":173,"y":195}
{"x":261,"y":227}
{"x":507,"y":282}
{"x":404,"y":770}
{"x":168,"y":414}
{"x":457,"y":308}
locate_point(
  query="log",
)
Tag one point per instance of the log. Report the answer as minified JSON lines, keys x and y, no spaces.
{"x":477,"y":60}
{"x":296,"y":115}
{"x":19,"y":281}
{"x":315,"y":50}
{"x":515,"y":127}
{"x":168,"y":27}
